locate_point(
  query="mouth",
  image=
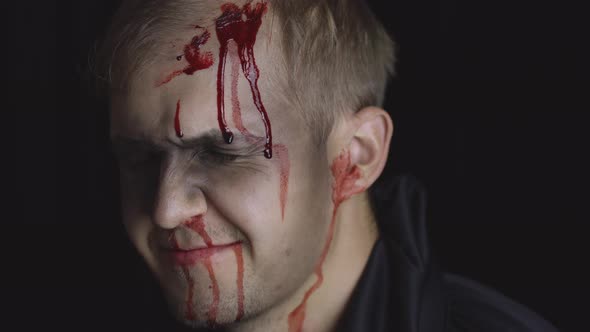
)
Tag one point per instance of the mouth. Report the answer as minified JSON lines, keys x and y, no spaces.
{"x":187,"y":257}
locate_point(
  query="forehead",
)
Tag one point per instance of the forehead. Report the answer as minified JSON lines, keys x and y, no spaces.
{"x":190,"y":74}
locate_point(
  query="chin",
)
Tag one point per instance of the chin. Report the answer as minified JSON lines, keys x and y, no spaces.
{"x":203,"y":309}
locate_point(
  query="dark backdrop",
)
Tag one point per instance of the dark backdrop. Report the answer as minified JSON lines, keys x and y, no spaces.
{"x":489,"y":105}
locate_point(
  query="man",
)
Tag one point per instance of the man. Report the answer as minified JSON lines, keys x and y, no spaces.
{"x":249,"y":134}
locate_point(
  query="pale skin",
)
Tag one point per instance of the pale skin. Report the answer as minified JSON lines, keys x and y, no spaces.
{"x":239,"y":199}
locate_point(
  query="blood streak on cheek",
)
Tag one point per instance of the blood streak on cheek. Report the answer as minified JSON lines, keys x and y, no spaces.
{"x":343,"y":188}
{"x":231,"y":26}
{"x":282,"y":154}
{"x":193,"y":55}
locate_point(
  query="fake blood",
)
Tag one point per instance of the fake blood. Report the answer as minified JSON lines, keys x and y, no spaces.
{"x":197,"y":225}
{"x":235,"y":101}
{"x":284,"y":167}
{"x":241,"y":26}
{"x":193,"y":55}
{"x":343,"y":187}
{"x":240,"y":281}
{"x":212,"y":314}
{"x":189,"y":313}
{"x":280,"y":150}
{"x":177,"y":127}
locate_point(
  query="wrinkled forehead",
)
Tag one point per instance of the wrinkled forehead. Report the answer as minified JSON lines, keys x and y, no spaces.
{"x":193,"y":35}
{"x":237,"y":46}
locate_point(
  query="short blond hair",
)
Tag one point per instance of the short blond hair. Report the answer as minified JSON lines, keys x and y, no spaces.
{"x":338,"y":54}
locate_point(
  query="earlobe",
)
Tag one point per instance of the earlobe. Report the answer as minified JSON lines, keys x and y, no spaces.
{"x":369,"y":147}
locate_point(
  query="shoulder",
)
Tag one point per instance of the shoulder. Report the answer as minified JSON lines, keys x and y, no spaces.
{"x":474,"y":307}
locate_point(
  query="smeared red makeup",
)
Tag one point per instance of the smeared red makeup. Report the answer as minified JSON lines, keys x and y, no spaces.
{"x":345,"y":176}
{"x":196,"y":59}
{"x":240,"y":281}
{"x":231,"y":25}
{"x":232,"y":28}
{"x":197,"y":225}
{"x":189,"y":312}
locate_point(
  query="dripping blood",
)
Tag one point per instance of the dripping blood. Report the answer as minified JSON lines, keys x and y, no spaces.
{"x":212,"y":313}
{"x":189,"y":312}
{"x":177,"y":127}
{"x":280,"y":150}
{"x":232,"y":26}
{"x":240,"y":281}
{"x":343,"y":187}
{"x":193,"y":55}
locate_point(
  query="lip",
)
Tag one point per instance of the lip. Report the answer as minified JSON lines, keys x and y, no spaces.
{"x":186,"y":257}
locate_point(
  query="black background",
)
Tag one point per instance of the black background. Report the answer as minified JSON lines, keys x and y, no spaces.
{"x":490,"y":108}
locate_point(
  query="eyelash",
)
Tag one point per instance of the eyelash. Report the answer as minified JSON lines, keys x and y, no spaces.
{"x":215,"y":157}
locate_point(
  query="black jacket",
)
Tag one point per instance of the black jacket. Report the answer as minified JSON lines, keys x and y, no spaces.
{"x":403,"y":290}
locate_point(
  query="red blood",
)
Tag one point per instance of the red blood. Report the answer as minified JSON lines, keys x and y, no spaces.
{"x":281,"y":150}
{"x":237,"y":112}
{"x":231,"y":26}
{"x":283,"y":159}
{"x":240,"y":281}
{"x":189,"y":312}
{"x":177,"y":120}
{"x":196,"y":224}
{"x":343,"y":187}
{"x":212,"y":314}
{"x":192,"y":54}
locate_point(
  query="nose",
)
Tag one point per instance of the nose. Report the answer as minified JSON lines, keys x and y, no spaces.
{"x":177,"y":200}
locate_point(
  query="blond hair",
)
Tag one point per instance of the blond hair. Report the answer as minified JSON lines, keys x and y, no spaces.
{"x":338,"y":55}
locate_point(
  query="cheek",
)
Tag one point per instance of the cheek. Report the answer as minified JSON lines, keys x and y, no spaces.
{"x":248,"y":201}
{"x":134,"y":217}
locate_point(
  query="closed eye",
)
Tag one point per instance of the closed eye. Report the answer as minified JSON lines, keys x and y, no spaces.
{"x":214,"y":157}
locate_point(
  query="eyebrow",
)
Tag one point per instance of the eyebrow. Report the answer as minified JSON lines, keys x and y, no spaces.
{"x":211,"y":139}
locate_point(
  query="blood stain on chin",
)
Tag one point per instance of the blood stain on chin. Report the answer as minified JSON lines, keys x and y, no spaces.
{"x":240,"y":281}
{"x":196,"y":59}
{"x":345,"y":176}
{"x":232,"y":26}
{"x":189,"y":311}
{"x":177,"y":127}
{"x":212,"y":313}
{"x":197,"y":224}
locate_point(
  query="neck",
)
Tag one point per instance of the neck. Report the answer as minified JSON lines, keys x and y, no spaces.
{"x":355,"y":234}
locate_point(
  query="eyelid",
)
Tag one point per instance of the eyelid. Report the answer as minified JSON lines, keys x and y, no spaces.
{"x":206,"y":155}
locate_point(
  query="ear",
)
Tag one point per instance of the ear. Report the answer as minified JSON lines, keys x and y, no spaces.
{"x":369,"y":147}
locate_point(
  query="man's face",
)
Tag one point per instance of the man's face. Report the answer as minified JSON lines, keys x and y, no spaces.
{"x":228,"y":232}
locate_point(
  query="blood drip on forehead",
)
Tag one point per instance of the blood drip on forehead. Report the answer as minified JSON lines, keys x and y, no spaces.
{"x":241,"y":25}
{"x":196,"y":59}
{"x":177,"y":127}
